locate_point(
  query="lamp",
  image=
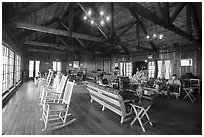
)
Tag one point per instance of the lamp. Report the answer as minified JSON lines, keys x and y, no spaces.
{"x":100,"y":21}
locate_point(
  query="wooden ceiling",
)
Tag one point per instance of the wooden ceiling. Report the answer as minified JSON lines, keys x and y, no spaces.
{"x":60,"y":26}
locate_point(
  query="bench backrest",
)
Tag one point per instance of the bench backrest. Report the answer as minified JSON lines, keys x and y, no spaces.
{"x":109,"y":96}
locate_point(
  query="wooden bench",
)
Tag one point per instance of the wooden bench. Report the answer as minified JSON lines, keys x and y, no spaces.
{"x":109,"y":98}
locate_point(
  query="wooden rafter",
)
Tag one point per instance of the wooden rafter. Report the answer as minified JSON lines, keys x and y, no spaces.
{"x":125,"y":30}
{"x":126,"y":25}
{"x":65,"y":43}
{"x":26,"y":34}
{"x":158,"y":9}
{"x":177,"y":11}
{"x":196,"y":24}
{"x":76,"y":38}
{"x":43,"y":29}
{"x":64,"y":10}
{"x":28,"y":9}
{"x":137,"y":35}
{"x":42,"y":44}
{"x":153,"y":46}
{"x":46,"y":51}
{"x":142,"y":11}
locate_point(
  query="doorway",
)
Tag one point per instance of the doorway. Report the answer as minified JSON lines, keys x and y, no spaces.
{"x":34,"y":68}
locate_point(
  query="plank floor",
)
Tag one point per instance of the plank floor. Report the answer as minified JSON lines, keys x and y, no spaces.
{"x":21,"y":116}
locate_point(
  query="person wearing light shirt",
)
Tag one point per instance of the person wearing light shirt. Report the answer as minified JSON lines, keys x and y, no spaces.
{"x":173,"y":84}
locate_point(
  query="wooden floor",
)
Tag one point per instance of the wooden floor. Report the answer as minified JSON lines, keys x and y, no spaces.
{"x":21,"y":116}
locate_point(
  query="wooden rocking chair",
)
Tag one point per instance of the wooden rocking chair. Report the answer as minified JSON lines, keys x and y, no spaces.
{"x":55,"y":115}
{"x":52,"y":95}
{"x":45,"y":83}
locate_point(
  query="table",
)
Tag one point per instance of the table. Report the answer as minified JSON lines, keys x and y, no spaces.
{"x":141,"y":110}
{"x":189,"y":94}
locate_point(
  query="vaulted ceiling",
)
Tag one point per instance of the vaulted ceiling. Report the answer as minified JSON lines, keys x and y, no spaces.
{"x":60,"y":26}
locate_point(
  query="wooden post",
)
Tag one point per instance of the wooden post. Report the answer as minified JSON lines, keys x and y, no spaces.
{"x":137,"y":34}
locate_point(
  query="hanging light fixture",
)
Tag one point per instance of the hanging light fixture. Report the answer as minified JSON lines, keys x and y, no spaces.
{"x":155,"y":36}
{"x":89,"y":12}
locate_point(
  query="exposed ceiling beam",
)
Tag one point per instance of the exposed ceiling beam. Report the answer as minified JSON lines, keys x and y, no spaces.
{"x":126,"y":25}
{"x":76,"y":38}
{"x":144,"y":12}
{"x":28,"y":9}
{"x":177,"y":11}
{"x":137,"y":35}
{"x":158,"y":9}
{"x":46,"y":51}
{"x":125,"y":30}
{"x":42,"y":44}
{"x":64,"y":10}
{"x":153,"y":46}
{"x":26,"y":34}
{"x":65,"y":43}
{"x":43,"y":29}
{"x":197,"y":26}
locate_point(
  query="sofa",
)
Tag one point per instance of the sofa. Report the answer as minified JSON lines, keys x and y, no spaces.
{"x":111,"y":99}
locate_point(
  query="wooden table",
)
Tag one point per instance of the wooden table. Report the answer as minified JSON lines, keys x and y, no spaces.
{"x":141,"y":110}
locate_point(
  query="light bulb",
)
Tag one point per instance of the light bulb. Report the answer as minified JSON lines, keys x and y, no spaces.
{"x":154,"y":35}
{"x":92,"y":22}
{"x":89,"y":13}
{"x":85,"y":17}
{"x":147,"y":37}
{"x":101,"y":13}
{"x":107,"y":18}
{"x":102,"y":22}
{"x":160,"y":36}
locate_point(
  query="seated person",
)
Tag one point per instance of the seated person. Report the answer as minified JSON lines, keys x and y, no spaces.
{"x":173,"y":84}
{"x":159,"y":83}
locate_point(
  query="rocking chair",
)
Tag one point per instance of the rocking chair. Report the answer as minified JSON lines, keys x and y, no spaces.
{"x":55,"y":115}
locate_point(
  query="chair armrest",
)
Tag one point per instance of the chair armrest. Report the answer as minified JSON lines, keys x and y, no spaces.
{"x":57,"y":106}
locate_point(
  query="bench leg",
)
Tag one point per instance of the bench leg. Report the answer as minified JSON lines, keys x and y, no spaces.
{"x":103,"y":108}
{"x":91,"y":100}
{"x":122,"y":120}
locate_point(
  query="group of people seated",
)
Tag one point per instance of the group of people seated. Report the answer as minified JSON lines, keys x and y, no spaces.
{"x":172,"y":84}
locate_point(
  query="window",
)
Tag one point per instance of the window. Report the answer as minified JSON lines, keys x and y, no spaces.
{"x":186,"y":62}
{"x":56,"y":66}
{"x":17,"y":68}
{"x":151,"y":69}
{"x":128,"y":69}
{"x":8,"y":69}
{"x":31,"y":68}
{"x":37,"y":68}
